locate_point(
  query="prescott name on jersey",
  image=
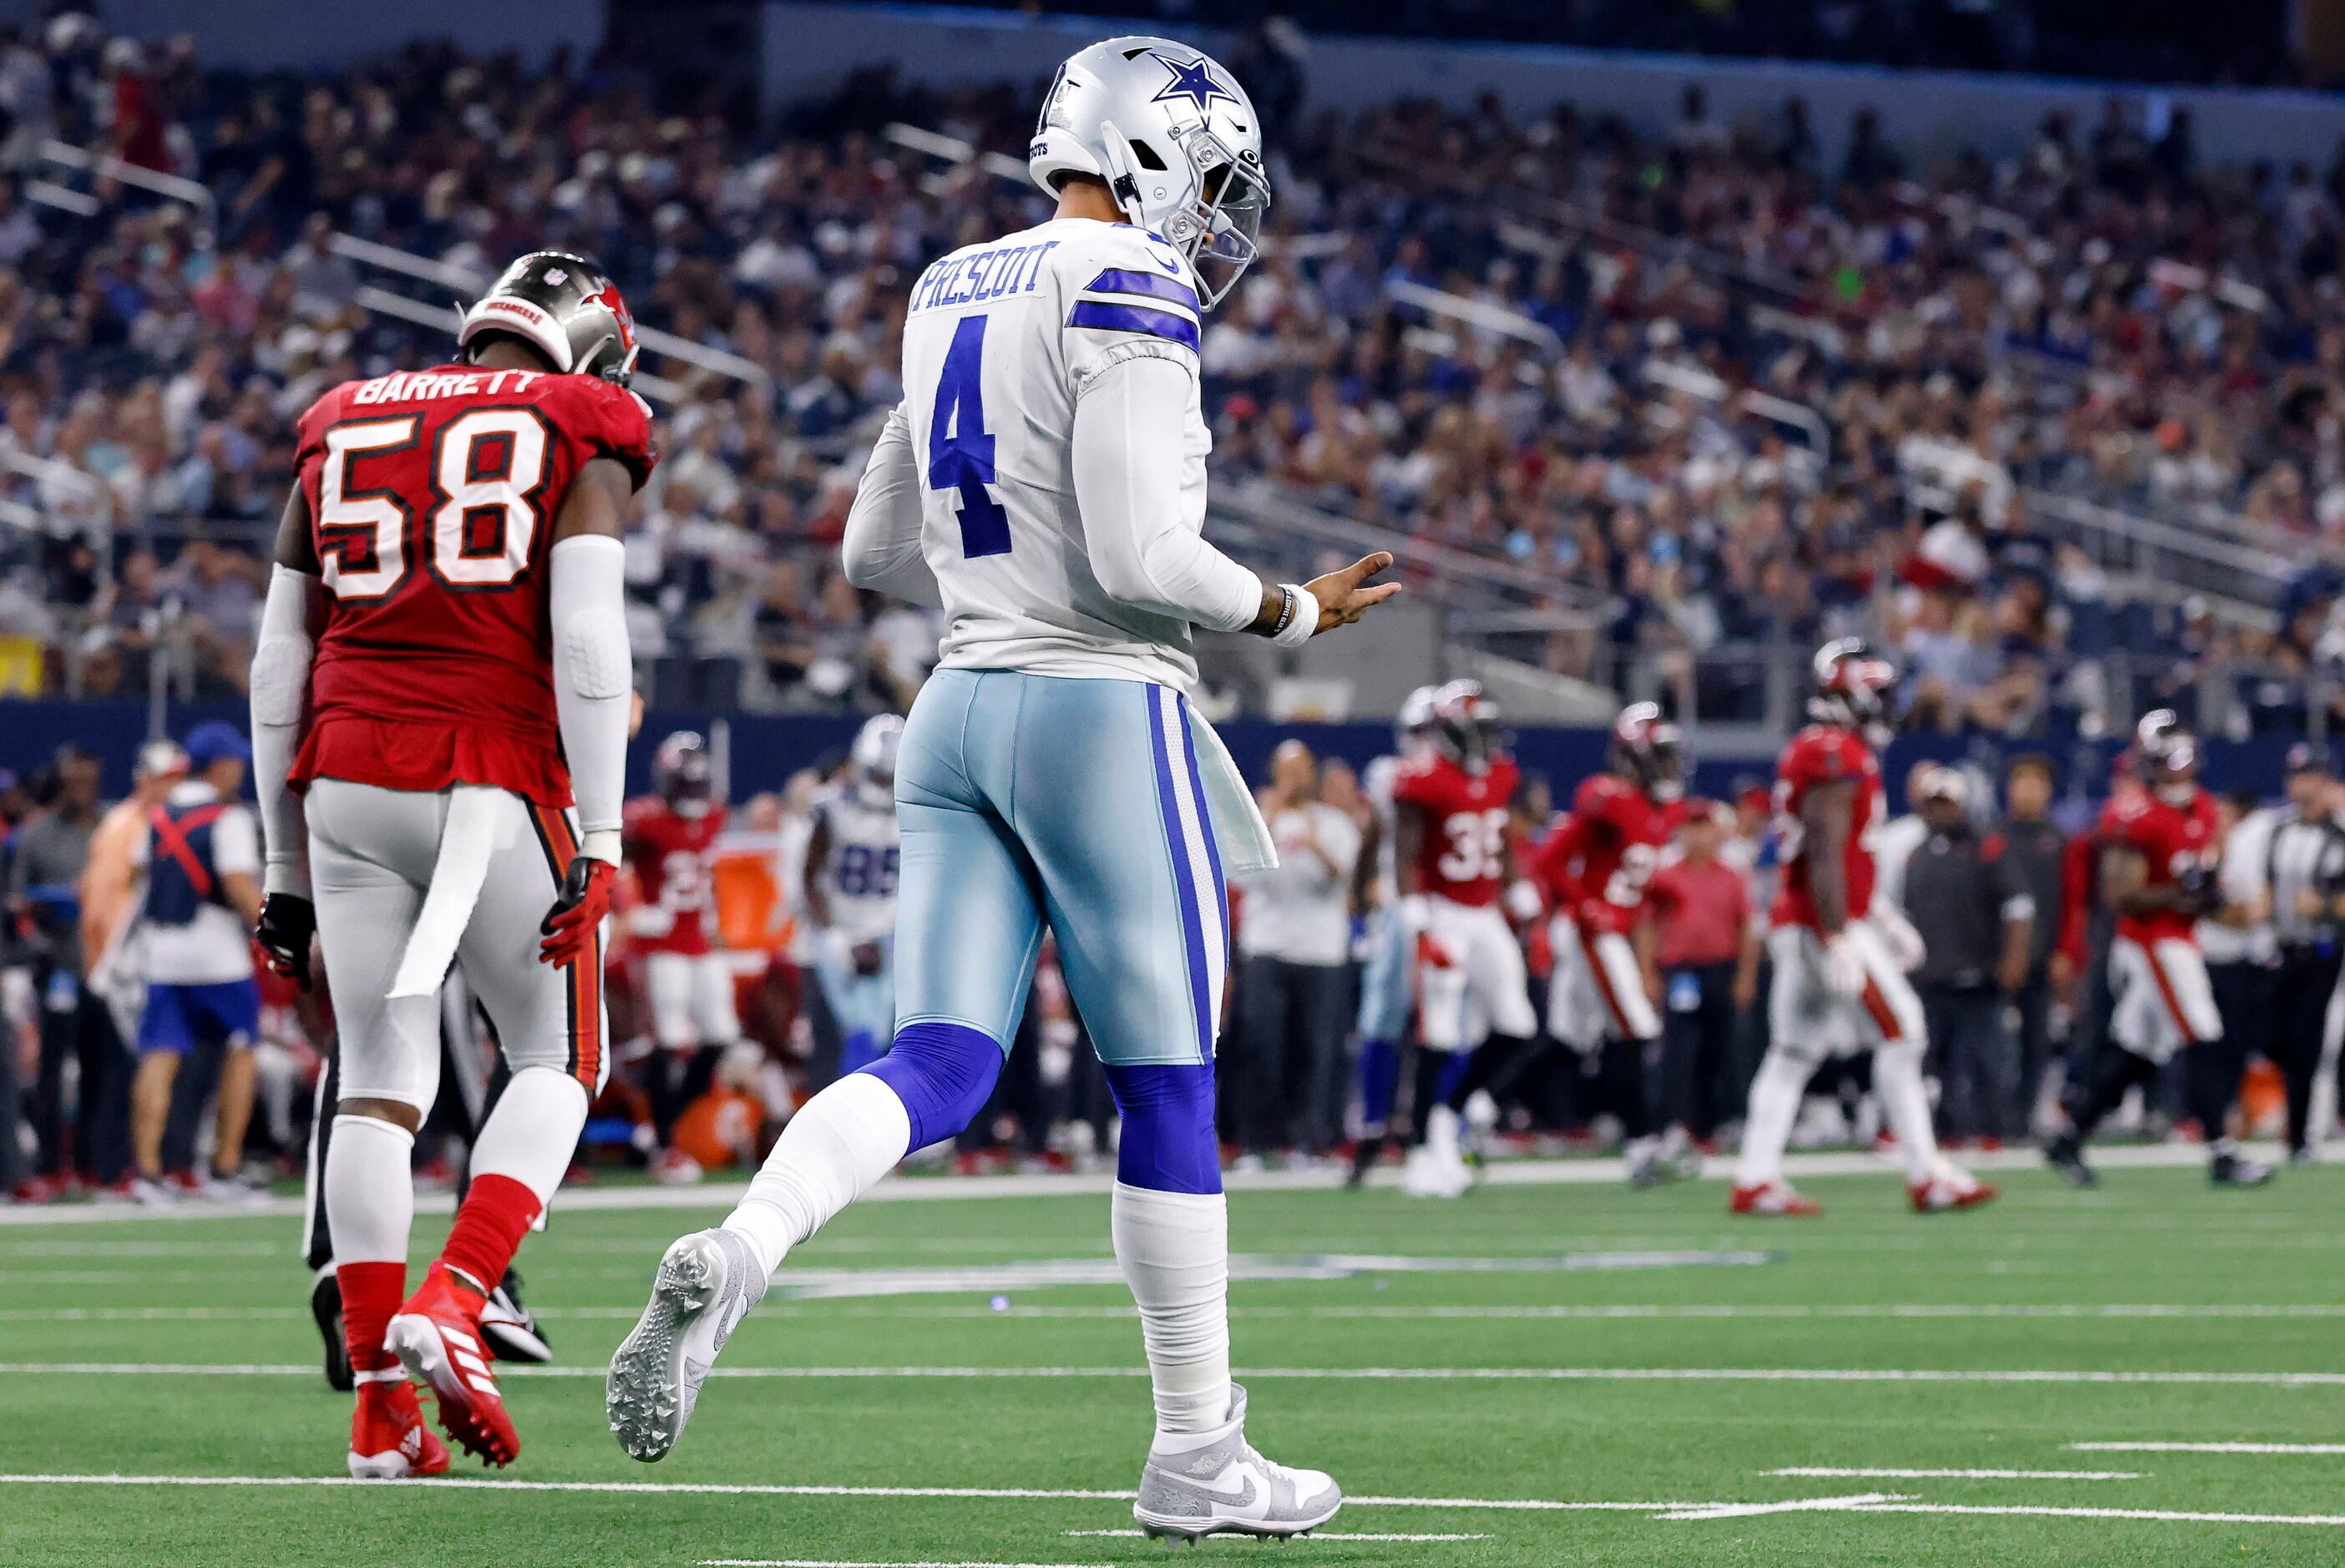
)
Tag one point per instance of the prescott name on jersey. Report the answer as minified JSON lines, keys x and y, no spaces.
{"x":432,"y":496}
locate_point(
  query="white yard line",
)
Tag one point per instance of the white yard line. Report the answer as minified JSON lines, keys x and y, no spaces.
{"x":1794,"y":1505}
{"x":468,"y":1483}
{"x":837,"y":1563}
{"x":1834,"y":1472}
{"x":2329,"y":1448}
{"x":1321,"y":1374}
{"x":2158,"y":1515}
{"x":1627,"y":1312}
{"x":1534,"y":1172}
{"x":1315,"y":1535}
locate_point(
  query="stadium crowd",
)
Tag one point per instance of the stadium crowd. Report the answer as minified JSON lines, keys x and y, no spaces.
{"x":1721,"y":393}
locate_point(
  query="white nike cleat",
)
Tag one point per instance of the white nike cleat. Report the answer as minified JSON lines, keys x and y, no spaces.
{"x":1214,"y":1484}
{"x":1428,"y":1174}
{"x":707,"y":1281}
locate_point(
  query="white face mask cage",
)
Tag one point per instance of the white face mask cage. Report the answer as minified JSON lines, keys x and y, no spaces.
{"x":1223,"y":231}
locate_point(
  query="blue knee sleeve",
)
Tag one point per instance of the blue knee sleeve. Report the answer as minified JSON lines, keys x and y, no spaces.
{"x":1453,"y":1073}
{"x":1168,"y":1143}
{"x":1379,"y":1072}
{"x":943,"y":1073}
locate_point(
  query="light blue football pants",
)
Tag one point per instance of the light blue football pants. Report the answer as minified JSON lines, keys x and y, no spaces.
{"x":1034,"y":801}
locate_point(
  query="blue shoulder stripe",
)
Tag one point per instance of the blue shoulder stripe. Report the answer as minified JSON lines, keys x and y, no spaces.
{"x":1118,"y":280}
{"x":1135,"y":318}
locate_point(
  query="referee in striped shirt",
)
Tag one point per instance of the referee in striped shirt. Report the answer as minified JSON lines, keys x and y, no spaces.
{"x":2304,"y":870}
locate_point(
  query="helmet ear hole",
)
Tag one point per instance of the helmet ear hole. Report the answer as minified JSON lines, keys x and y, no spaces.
{"x":1148,"y":156}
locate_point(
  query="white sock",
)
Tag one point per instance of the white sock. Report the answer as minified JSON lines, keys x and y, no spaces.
{"x":839,"y":1143}
{"x":1175,"y":1251}
{"x":1767,"y":1124}
{"x":369,"y":1194}
{"x":533,"y":1133}
{"x":1905,"y":1104}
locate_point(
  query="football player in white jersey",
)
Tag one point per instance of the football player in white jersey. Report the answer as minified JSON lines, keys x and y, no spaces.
{"x":852,"y":856}
{"x":1044,"y":484}
{"x":1388,"y":981}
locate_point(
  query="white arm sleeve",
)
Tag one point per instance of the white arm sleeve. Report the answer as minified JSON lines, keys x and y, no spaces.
{"x":1127,"y":471}
{"x":280,"y":716}
{"x":593,"y":671}
{"x":882,"y":546}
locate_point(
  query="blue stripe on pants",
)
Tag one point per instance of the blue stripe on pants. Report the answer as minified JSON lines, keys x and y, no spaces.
{"x":1176,"y":843}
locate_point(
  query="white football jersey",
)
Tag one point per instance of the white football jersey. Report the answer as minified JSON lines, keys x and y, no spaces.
{"x":1376,"y":785}
{"x":999,"y":340}
{"x":861,"y":873}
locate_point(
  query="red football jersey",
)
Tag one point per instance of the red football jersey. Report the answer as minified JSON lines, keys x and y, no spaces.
{"x":1824,"y":754}
{"x":673,"y":857}
{"x":432,"y":496}
{"x":1596,"y":862}
{"x":1461,"y":855}
{"x":2172,"y":840}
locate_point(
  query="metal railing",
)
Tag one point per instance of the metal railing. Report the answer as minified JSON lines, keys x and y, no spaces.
{"x":107,"y":165}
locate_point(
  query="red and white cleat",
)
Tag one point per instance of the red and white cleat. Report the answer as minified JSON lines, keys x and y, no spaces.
{"x":436,"y":1337}
{"x":1950,"y":1188}
{"x":1774,"y":1199}
{"x":389,"y":1441}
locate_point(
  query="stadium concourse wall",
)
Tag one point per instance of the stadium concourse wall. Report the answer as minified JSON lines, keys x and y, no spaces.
{"x":768,"y":748}
{"x":808,"y":48}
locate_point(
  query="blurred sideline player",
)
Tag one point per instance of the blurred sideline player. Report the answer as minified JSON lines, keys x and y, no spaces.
{"x":2160,"y":844}
{"x":669,"y":838}
{"x":1839,"y":958}
{"x":853,"y":857}
{"x":1043,"y":482}
{"x":1453,"y":853}
{"x":1388,"y":980}
{"x":442,"y":661}
{"x":1596,"y":867}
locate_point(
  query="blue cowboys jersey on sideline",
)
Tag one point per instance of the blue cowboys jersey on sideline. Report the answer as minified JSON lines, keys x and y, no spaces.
{"x":1387,"y":989}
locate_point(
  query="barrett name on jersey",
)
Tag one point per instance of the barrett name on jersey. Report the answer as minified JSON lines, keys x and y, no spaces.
{"x":1010,"y":334}
{"x":432,"y":495}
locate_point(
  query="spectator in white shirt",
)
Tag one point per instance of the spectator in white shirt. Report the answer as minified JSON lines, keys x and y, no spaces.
{"x":1294,"y":939}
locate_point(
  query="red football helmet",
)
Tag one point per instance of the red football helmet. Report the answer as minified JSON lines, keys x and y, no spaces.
{"x":1466,"y":725}
{"x":1855,"y":688}
{"x":1645,"y":748}
{"x":2165,"y":757}
{"x":682,"y":773}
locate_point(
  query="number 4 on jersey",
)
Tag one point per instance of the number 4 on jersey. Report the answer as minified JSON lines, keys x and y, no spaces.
{"x":963,"y":461}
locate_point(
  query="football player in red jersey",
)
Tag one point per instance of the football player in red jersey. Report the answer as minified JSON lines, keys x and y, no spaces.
{"x":1840,"y":976}
{"x":1594,"y":867}
{"x":1453,"y":857}
{"x":670,"y":841}
{"x":2159,"y":842}
{"x":443,"y":667}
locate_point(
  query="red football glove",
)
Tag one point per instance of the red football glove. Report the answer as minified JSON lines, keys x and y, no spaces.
{"x":578,"y":911}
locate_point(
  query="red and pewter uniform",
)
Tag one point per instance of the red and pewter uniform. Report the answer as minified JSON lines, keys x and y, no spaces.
{"x":2172,"y":840}
{"x":432,"y":496}
{"x":673,"y":857}
{"x":1820,"y":755}
{"x":1461,"y":855}
{"x":1597,"y":863}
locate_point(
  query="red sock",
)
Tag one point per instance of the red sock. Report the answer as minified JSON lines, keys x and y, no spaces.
{"x":372,"y":1292}
{"x":497,"y":1213}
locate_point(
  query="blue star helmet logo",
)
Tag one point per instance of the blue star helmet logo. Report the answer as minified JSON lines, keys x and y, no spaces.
{"x":1194,"y":81}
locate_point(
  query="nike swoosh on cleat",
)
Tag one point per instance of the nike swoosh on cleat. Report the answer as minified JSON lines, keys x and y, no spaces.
{"x":1243,"y":1497}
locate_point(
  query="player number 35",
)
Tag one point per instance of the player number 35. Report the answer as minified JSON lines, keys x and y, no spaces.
{"x":486,"y":468}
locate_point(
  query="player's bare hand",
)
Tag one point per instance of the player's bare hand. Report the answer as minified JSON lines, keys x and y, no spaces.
{"x":1342,"y":598}
{"x":579,"y":909}
{"x":288,"y":921}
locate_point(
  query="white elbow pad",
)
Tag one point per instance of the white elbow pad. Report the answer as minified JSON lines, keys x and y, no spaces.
{"x":281,"y":658}
{"x":595,"y":650}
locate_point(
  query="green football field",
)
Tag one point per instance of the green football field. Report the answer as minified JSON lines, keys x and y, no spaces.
{"x":1535,"y":1375}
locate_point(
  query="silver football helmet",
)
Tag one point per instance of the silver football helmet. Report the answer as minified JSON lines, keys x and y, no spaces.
{"x":1177,"y":141}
